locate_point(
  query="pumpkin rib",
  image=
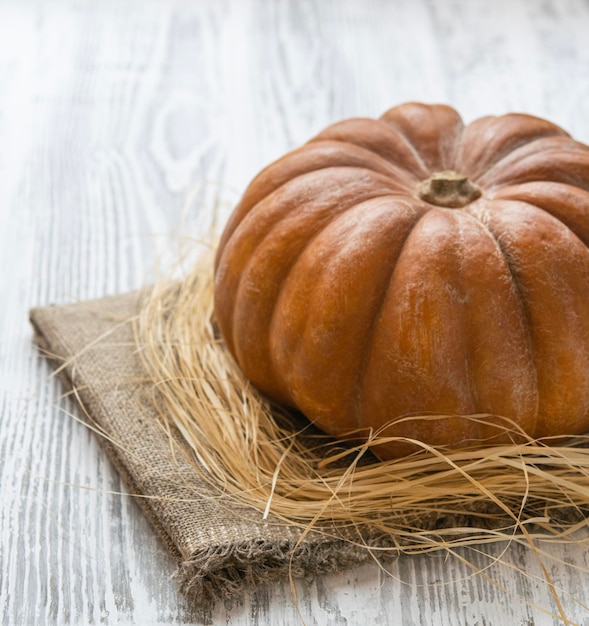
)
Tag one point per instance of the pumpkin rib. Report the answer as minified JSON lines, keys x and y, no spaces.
{"x":472,"y":383}
{"x":303,"y":161}
{"x":322,"y":230}
{"x":334,"y":204}
{"x":418,"y":122}
{"x":417,"y":366}
{"x":389,"y":168}
{"x":523,"y":309}
{"x":554,"y":271}
{"x":367,"y":346}
{"x":538,"y":301}
{"x":486,"y":282}
{"x":292,"y":179}
{"x":251,"y":214}
{"x":372,"y":134}
{"x":290,"y":290}
{"x":554,"y":165}
{"x":405,"y":176}
{"x":490,"y":139}
{"x":307,"y":155}
{"x":538,"y":145}
{"x":576,"y":200}
{"x":252,"y":222}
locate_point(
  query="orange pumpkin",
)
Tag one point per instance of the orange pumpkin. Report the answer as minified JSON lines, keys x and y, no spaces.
{"x":412,"y":265}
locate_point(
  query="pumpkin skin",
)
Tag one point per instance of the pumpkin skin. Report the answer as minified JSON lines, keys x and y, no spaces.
{"x":357,"y":284}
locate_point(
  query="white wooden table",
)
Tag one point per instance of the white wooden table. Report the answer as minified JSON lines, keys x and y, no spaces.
{"x":123,"y":125}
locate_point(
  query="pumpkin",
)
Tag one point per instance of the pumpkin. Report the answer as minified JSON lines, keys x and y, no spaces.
{"x":416,"y":266}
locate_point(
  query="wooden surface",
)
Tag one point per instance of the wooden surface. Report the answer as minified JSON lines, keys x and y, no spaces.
{"x":123,"y":127}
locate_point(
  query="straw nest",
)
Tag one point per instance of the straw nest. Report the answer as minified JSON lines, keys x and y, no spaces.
{"x":280,"y":465}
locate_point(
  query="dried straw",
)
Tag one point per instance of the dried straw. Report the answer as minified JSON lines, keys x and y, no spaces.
{"x":285,"y":469}
{"x":281,"y":466}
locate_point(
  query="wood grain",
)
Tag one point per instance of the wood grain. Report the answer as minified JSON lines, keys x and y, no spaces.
{"x":126,"y":128}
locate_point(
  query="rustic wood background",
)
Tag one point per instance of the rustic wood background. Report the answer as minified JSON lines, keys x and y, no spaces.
{"x":124,"y":125}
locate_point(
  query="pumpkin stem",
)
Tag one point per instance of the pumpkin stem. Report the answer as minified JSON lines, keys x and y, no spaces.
{"x":448,"y":189}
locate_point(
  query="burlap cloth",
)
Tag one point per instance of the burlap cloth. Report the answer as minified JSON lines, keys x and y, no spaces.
{"x":222,"y":548}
